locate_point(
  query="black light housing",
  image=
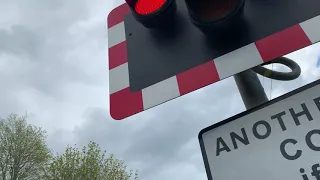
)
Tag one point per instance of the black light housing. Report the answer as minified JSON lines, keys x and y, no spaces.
{"x":215,"y":16}
{"x":153,"y":13}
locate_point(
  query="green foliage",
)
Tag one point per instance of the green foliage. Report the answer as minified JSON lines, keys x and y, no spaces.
{"x":89,"y":163}
{"x":23,"y":149}
{"x":24,"y":155}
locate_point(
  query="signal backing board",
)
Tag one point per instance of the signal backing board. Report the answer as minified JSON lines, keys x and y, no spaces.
{"x":148,"y":68}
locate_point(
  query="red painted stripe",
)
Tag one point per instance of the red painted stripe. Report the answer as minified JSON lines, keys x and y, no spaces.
{"x":282,"y":43}
{"x":197,"y":77}
{"x":117,"y":15}
{"x":118,"y":55}
{"x":124,"y":103}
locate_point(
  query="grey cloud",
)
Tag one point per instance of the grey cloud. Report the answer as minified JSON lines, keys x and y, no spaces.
{"x":42,"y":39}
{"x":49,"y":50}
{"x":20,"y":40}
{"x":59,"y":140}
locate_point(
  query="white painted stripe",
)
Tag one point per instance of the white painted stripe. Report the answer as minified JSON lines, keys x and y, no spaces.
{"x":312,"y":28}
{"x":237,"y":61}
{"x":116,"y":34}
{"x":119,"y":78}
{"x":160,"y":92}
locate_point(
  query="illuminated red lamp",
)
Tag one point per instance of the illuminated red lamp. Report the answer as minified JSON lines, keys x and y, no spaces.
{"x":152,"y":13}
{"x":215,"y":15}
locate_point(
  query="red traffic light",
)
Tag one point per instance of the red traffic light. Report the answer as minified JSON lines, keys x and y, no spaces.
{"x":152,"y":13}
{"x":145,"y":7}
{"x":215,"y":15}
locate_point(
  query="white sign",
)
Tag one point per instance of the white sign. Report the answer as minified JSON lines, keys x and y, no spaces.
{"x":279,"y":140}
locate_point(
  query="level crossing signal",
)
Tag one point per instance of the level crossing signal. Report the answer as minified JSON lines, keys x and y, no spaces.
{"x":163,"y":49}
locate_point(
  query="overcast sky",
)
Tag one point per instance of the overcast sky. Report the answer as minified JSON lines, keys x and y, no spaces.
{"x":53,"y":64}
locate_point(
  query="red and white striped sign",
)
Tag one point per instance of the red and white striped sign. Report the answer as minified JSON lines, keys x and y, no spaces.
{"x":124,"y":103}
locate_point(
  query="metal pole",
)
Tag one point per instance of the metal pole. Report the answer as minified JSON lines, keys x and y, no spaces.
{"x":250,"y":89}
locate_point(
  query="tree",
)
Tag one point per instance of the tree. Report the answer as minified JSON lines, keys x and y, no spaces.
{"x":23,"y":149}
{"x":90,"y":163}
